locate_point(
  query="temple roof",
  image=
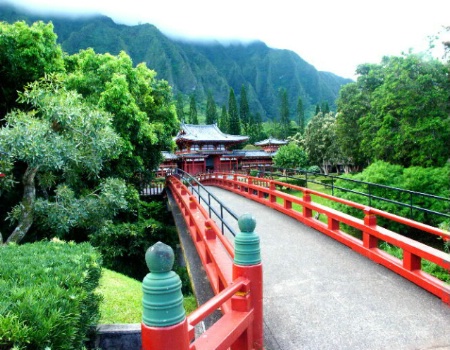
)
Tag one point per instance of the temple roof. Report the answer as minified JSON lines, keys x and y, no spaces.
{"x":271,"y":141}
{"x":208,"y":133}
{"x":169,"y":156}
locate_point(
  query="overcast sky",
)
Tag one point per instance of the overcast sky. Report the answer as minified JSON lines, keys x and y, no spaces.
{"x":332,"y":35}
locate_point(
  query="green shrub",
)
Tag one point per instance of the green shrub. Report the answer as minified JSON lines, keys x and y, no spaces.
{"x":123,"y":244}
{"x":48,"y":295}
{"x":294,"y":181}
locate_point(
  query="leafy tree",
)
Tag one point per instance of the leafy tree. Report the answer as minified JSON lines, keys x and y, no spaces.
{"x":401,"y":107}
{"x":27,"y":53}
{"x":290,"y":156}
{"x":284,"y":114}
{"x":317,"y":109}
{"x":244,"y":111}
{"x":235,"y":124}
{"x":224,"y":121}
{"x":353,"y":104}
{"x":60,"y":134}
{"x":300,"y":116}
{"x":320,"y":141}
{"x":141,"y":105}
{"x":180,"y":107}
{"x":211,"y":109}
{"x":193,"y":117}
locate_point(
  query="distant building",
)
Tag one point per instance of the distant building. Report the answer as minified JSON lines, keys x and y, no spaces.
{"x":203,"y":148}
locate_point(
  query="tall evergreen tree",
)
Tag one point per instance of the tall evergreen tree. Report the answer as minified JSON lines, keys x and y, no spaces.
{"x":244,"y":111}
{"x":224,"y":122}
{"x":317,"y":109}
{"x":211,"y":109}
{"x":284,"y":114}
{"x":193,"y":118}
{"x":180,"y":107}
{"x":235,"y":125}
{"x":300,"y":116}
{"x":325,"y":107}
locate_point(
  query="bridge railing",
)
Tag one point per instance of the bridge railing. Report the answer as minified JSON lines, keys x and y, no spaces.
{"x":302,"y":208}
{"x":224,"y":215}
{"x":370,"y":192}
{"x":235,"y":275}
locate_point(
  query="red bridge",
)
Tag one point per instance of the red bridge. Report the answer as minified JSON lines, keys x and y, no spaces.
{"x":316,"y":293}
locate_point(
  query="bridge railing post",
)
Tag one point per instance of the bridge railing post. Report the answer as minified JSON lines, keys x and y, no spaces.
{"x":370,"y":220}
{"x":247,"y":263}
{"x":164,"y":324}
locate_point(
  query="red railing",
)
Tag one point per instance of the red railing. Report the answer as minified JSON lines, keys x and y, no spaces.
{"x":265,"y":191}
{"x":238,"y":290}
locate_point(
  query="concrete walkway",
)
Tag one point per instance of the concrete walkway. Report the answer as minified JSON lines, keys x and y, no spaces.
{"x":319,"y":294}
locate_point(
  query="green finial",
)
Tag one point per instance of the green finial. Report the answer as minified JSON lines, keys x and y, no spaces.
{"x":247,"y":250}
{"x":162,"y":300}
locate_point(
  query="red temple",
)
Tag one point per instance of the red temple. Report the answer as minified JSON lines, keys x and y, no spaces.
{"x":203,"y":148}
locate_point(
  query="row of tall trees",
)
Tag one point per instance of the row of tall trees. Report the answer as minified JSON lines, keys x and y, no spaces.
{"x":236,"y":117}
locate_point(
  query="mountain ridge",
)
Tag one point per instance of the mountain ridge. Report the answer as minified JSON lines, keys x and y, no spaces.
{"x":193,"y":67}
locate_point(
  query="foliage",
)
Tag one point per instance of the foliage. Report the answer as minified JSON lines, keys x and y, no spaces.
{"x":397,"y":112}
{"x":290,"y":156}
{"x":48,"y":295}
{"x":144,"y":116}
{"x":235,"y":122}
{"x":284,"y":114}
{"x":426,"y":180}
{"x":320,"y":141}
{"x":244,"y":111}
{"x":193,"y":115}
{"x":211,"y":110}
{"x":224,"y":121}
{"x":300,"y":116}
{"x":59,"y":134}
{"x":123,"y":242}
{"x":27,"y":53}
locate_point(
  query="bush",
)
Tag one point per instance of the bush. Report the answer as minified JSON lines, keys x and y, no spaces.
{"x":294,"y":181}
{"x":123,"y":244}
{"x":48,"y":295}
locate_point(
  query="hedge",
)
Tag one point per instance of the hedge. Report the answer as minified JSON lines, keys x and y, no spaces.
{"x":48,"y":298}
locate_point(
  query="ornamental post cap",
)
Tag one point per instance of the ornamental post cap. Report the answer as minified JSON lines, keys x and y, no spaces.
{"x":159,"y":258}
{"x":247,"y":223}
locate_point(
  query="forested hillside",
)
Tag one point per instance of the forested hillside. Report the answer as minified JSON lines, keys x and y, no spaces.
{"x":196,"y":68}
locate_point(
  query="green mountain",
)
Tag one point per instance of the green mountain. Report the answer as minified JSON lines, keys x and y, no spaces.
{"x":198,"y":67}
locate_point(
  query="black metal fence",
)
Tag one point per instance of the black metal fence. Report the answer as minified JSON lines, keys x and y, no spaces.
{"x":216,"y":209}
{"x":413,"y":201}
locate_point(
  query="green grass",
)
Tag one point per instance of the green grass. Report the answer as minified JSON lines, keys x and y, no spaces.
{"x":122,"y":299}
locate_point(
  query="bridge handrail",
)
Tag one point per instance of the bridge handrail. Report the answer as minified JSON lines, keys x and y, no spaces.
{"x":219,"y":215}
{"x":412,"y":194}
{"x":413,"y":251}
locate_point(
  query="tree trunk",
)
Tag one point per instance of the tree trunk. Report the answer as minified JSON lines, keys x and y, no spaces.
{"x":27,"y":206}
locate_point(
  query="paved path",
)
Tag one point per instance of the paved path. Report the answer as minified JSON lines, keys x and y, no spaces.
{"x":319,"y":294}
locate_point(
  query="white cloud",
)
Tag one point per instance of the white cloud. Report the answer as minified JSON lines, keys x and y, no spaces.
{"x":332,"y":35}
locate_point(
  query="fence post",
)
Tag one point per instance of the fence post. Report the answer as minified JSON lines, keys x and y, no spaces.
{"x":164,"y":324}
{"x":247,"y":263}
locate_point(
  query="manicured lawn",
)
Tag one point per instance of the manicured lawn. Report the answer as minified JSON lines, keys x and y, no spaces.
{"x":122,"y":299}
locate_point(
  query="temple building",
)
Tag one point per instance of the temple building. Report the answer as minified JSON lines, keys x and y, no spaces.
{"x":204,"y":148}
